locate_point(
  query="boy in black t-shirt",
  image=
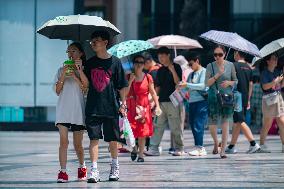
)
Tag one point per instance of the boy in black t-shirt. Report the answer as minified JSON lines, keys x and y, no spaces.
{"x":244,"y":75}
{"x":106,"y":86}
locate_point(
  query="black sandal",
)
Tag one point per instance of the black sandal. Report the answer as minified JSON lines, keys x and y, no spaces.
{"x":133,"y":156}
{"x":140,"y":159}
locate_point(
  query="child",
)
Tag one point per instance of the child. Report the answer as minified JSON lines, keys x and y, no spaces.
{"x":71,"y":83}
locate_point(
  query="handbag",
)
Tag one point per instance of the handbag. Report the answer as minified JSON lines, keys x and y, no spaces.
{"x":140,"y":110}
{"x":225,"y":100}
{"x":271,"y":98}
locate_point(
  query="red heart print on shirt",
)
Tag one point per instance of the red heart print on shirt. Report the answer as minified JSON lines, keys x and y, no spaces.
{"x":100,"y":78}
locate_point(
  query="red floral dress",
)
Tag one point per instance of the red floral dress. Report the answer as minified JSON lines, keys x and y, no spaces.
{"x":138,"y":95}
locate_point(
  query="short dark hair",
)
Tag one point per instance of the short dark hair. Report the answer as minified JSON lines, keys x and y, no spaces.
{"x":101,"y":33}
{"x":147,"y":56}
{"x":163,"y":50}
{"x":189,"y":56}
{"x":221,"y":47}
{"x":242,"y":54}
{"x":137,"y":56}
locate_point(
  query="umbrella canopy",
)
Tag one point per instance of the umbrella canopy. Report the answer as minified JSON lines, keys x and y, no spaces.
{"x":276,"y":46}
{"x":76,"y":27}
{"x":129,"y":47}
{"x":175,"y":42}
{"x":231,"y":40}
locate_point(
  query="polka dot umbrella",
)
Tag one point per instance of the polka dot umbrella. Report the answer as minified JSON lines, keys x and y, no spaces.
{"x":129,"y":47}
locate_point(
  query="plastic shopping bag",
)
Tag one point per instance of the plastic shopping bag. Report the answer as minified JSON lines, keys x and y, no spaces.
{"x":238,"y":106}
{"x":127,"y":133}
{"x":176,"y":98}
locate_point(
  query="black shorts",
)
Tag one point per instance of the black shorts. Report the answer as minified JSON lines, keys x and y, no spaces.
{"x":103,"y":128}
{"x":240,"y":117}
{"x":73,"y":127}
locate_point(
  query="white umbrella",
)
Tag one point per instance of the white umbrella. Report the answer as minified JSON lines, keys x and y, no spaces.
{"x":76,"y":27}
{"x":231,"y":40}
{"x":276,"y":46}
{"x":175,"y":42}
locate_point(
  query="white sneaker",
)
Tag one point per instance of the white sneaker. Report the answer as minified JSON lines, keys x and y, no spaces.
{"x":231,"y":150}
{"x":94,"y":176}
{"x":198,"y":151}
{"x":263,"y":149}
{"x":114,"y":172}
{"x":194,"y":152}
{"x":202,"y":152}
{"x":253,"y":149}
{"x":152,"y":152}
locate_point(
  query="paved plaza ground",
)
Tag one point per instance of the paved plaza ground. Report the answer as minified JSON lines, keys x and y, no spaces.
{"x":30,"y":160}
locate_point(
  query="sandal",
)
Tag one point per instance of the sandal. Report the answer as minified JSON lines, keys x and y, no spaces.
{"x":223,"y":156}
{"x":140,"y":159}
{"x":133,"y":156}
{"x":215,"y":151}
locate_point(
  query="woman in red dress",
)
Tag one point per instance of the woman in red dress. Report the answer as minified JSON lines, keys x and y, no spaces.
{"x":139,"y":110}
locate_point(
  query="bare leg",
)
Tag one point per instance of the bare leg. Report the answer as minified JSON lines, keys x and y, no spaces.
{"x":63,"y":132}
{"x":94,"y":150}
{"x":141,"y":144}
{"x":235,"y":133}
{"x":247,"y":132}
{"x":113,"y":149}
{"x":77,"y":142}
{"x":225,"y":133}
{"x":280,"y":123}
{"x":213,"y":132}
{"x":267,"y":122}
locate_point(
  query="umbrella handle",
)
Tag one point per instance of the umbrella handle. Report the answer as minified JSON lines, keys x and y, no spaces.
{"x":227,"y":53}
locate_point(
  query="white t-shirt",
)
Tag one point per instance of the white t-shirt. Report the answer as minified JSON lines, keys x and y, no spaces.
{"x":70,"y":106}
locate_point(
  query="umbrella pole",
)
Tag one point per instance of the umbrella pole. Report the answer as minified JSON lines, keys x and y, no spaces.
{"x":175,"y":48}
{"x":227,"y":53}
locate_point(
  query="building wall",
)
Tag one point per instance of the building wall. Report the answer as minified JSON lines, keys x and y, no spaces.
{"x":126,"y":19}
{"x":258,"y":6}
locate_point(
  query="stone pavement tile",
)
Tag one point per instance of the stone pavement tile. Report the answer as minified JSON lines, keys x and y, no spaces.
{"x":30,"y":160}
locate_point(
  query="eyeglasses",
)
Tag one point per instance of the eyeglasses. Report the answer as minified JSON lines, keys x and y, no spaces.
{"x":95,"y":40}
{"x":139,"y":62}
{"x":71,"y":51}
{"x":218,"y":54}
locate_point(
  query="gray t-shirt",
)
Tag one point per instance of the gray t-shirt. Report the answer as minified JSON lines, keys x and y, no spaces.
{"x":229,"y":74}
{"x":70,"y":106}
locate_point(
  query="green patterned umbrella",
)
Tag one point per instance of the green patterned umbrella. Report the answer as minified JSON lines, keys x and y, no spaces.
{"x":129,"y":47}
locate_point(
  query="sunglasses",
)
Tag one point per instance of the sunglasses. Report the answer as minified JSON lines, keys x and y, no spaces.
{"x":218,"y":54}
{"x":139,"y":62}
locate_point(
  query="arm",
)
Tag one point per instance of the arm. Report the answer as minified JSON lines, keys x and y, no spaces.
{"x":60,"y":82}
{"x":273,"y":83}
{"x":84,"y":80}
{"x":200,"y":85}
{"x":250,"y":90}
{"x":157,"y":89}
{"x":176,"y":77}
{"x":154,"y":95}
{"x":130,"y":81}
{"x":210,"y":79}
{"x":83,"y":87}
{"x":234,"y":77}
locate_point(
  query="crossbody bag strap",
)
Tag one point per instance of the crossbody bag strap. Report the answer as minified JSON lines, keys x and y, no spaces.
{"x":214,"y":77}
